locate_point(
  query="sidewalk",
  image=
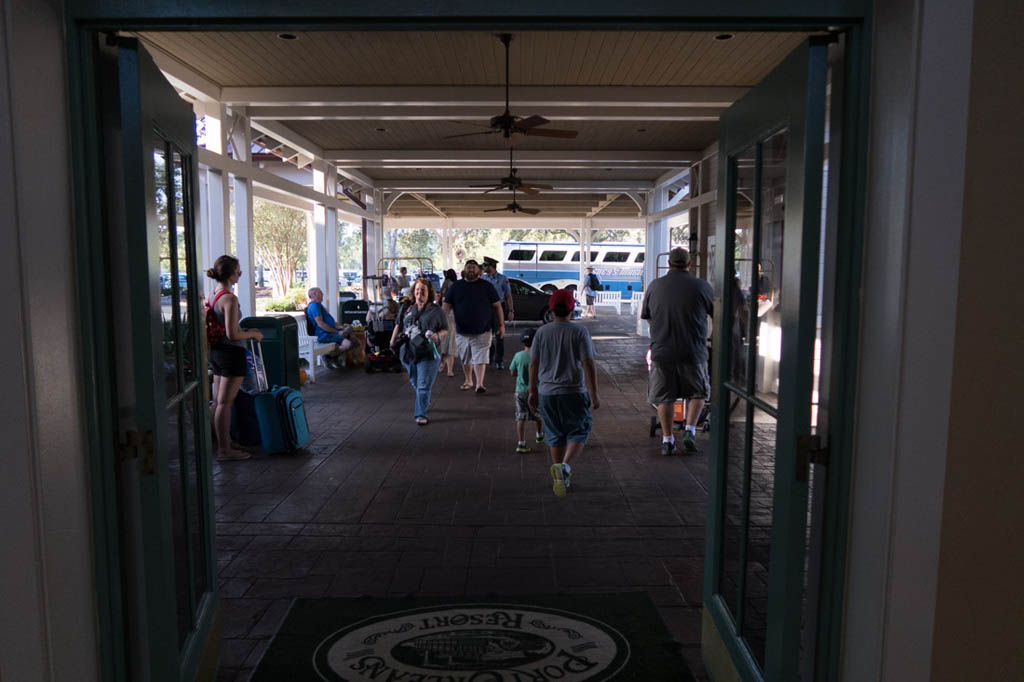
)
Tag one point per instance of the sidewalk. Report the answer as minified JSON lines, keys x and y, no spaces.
{"x":381,"y":506}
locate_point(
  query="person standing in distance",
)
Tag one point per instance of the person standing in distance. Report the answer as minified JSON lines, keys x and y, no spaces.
{"x":677,"y":306}
{"x":501,"y":285}
{"x":591,"y":285}
{"x":473,"y":302}
{"x":561,"y":356}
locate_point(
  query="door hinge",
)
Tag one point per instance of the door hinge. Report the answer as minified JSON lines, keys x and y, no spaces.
{"x":809,"y":451}
{"x":132,"y":443}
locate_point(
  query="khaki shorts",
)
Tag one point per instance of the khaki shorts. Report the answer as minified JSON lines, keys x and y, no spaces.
{"x":671,"y":381}
{"x":473,"y":349}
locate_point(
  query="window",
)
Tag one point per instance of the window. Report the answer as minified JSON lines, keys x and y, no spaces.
{"x":576,"y":256}
{"x":521,"y":254}
{"x":616,"y":256}
{"x":519,"y":289}
{"x":640,"y":257}
{"x":553,"y":255}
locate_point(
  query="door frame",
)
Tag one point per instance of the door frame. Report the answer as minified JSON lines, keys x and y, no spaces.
{"x":85,"y":20}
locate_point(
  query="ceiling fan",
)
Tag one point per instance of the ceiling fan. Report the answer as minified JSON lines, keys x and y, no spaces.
{"x":513,"y":181}
{"x":509,"y":125}
{"x":514,"y":207}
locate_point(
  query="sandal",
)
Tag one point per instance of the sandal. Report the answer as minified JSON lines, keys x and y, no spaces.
{"x":451,"y":374}
{"x":422,"y":421}
{"x":466,"y":387}
{"x":481,"y":389}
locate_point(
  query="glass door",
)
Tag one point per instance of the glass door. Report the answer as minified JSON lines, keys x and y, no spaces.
{"x":164,"y":475}
{"x":771,"y":155}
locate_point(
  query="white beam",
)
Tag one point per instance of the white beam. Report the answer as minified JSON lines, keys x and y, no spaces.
{"x":674,"y":114}
{"x":601,"y":205}
{"x":683,"y":206}
{"x":283,"y":133}
{"x":567,"y":186}
{"x":356,"y":176}
{"x":369,"y":158}
{"x":181,"y":77}
{"x":514,"y":222}
{"x":346,"y":210}
{"x":429,"y":204}
{"x":672,"y":177}
{"x":524,"y":96}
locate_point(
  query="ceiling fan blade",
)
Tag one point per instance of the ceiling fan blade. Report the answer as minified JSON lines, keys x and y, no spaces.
{"x":534,"y":185}
{"x":493,"y":185}
{"x":494,"y":189}
{"x":486,"y":132}
{"x":527,"y":189}
{"x":529,"y":211}
{"x":550,"y":132}
{"x":493,"y":210}
{"x":469,"y":123}
{"x":531,"y":122}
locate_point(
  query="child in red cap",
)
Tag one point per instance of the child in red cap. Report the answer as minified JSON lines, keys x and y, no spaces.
{"x":563,"y":386}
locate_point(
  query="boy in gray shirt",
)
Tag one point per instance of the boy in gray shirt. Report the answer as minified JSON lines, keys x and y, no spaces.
{"x":561,"y":360}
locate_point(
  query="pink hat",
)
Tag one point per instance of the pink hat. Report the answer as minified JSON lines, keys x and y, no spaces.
{"x":563,"y":296}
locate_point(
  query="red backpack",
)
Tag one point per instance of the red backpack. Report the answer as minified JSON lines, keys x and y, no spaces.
{"x":214,"y":327}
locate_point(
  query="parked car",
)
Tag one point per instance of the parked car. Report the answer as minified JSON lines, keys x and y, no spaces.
{"x":533,"y":304}
{"x":165,"y":283}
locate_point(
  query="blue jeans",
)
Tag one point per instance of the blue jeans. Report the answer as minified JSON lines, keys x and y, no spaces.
{"x":422,"y":375}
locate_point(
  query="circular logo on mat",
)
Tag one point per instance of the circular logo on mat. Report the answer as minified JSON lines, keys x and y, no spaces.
{"x":473,"y":643}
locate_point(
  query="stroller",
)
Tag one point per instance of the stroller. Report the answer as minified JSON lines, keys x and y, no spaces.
{"x":678,"y":411}
{"x":379,"y":356}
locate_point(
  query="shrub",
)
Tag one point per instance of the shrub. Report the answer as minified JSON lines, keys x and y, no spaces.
{"x":281,"y":305}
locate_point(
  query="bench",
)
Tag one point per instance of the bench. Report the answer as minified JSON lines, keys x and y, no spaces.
{"x":635,"y":302}
{"x":609,"y":298}
{"x":311,"y":349}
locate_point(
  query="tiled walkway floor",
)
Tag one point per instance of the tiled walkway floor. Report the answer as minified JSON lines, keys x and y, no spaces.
{"x":380,"y":506}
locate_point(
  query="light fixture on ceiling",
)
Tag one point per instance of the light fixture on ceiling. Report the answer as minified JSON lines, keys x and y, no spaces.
{"x":724,"y":36}
{"x":287,"y":36}
{"x":381,"y":130}
{"x":641,"y":130}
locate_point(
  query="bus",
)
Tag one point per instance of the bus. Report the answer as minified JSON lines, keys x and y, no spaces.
{"x":556,"y":265}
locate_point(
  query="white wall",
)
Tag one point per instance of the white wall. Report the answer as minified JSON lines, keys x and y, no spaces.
{"x":47,"y":623}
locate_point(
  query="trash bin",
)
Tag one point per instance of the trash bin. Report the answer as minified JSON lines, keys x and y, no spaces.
{"x":280,"y":347}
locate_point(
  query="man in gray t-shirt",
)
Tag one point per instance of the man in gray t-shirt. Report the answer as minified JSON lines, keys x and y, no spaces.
{"x":677,"y":306}
{"x":562,"y":369}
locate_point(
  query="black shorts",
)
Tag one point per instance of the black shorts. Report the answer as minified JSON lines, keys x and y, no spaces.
{"x":227,"y":360}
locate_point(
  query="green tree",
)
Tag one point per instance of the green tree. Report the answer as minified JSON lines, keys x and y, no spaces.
{"x":350,"y":246}
{"x":279,"y":234}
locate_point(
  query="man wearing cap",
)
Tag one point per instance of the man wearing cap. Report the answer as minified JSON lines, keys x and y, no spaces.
{"x":561,"y":359}
{"x":501,"y":285}
{"x":473,"y":303}
{"x":678,"y":305}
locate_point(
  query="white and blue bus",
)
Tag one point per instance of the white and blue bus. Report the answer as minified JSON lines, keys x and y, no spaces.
{"x":556,"y":265}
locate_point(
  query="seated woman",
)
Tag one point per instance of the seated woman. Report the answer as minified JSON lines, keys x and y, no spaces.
{"x":421,"y":326}
{"x":327,"y":330}
{"x":227,"y":356}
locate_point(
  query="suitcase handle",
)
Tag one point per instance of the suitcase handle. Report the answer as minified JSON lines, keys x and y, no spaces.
{"x":261,"y":369}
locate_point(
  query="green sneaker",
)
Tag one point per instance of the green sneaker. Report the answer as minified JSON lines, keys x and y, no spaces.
{"x":558,"y":480}
{"x":566,"y":475}
{"x":540,"y":437}
{"x":522,"y":448}
{"x":689,"y":444}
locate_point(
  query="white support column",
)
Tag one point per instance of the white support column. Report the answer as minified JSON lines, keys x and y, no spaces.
{"x":241,"y":142}
{"x":315,"y":246}
{"x":657,"y":242}
{"x":213,"y":193}
{"x":373,"y":237}
{"x":325,"y":220}
{"x":584,"y":241}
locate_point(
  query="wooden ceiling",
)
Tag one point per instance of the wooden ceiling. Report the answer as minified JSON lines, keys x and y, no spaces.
{"x":384,"y":104}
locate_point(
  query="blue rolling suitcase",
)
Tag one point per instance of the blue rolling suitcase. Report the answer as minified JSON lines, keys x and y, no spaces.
{"x":280,"y":412}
